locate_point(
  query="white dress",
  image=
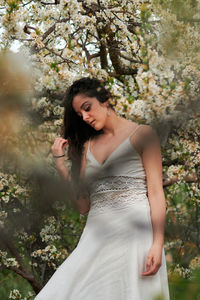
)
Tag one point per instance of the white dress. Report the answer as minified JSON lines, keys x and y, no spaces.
{"x":111,"y":254}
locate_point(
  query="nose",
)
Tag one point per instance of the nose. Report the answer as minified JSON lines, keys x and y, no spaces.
{"x":85,"y":116}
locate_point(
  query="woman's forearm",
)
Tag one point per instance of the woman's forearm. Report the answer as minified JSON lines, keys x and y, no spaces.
{"x":61,"y":168}
{"x":158,"y":217}
{"x":63,"y":172}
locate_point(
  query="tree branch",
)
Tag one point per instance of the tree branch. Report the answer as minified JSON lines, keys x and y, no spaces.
{"x":189,"y":178}
{"x":114,"y":53}
{"x":103,"y":51}
{"x":130,"y":59}
{"x":22,"y":271}
{"x":30,"y":278}
{"x":35,"y":49}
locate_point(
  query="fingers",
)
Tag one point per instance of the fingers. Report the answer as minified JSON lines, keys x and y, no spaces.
{"x":59,"y":143}
{"x":149,"y":261}
{"x":152,"y":271}
{"x":59,"y":146}
{"x":152,"y":266}
{"x":60,"y":140}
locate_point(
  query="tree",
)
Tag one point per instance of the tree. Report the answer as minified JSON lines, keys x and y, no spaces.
{"x":148,"y":53}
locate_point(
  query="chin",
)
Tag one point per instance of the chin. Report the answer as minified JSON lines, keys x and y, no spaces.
{"x":96,"y":127}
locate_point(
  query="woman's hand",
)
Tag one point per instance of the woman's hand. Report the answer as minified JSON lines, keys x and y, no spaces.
{"x":59,"y":146}
{"x":153,"y":260}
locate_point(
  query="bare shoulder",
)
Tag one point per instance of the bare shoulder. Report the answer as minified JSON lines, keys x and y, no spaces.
{"x":130,"y":126}
{"x":148,"y":135}
{"x":143,"y":137}
{"x":146,"y":128}
{"x":139,"y":130}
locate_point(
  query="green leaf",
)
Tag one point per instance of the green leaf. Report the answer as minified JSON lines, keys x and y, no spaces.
{"x":187,"y":83}
{"x":54,"y":66}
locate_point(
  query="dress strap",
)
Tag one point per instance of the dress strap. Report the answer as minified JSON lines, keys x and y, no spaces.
{"x":89,"y":144}
{"x":134,"y":131}
{"x":88,"y":148}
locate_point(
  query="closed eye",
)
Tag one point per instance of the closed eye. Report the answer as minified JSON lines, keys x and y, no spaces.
{"x":87,"y":108}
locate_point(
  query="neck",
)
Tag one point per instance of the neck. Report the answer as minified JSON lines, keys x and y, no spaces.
{"x":112,"y":124}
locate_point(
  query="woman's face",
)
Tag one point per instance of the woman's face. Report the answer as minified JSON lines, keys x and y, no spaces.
{"x":91,"y":110}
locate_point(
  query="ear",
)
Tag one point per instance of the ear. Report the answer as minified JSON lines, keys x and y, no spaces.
{"x":105,"y":104}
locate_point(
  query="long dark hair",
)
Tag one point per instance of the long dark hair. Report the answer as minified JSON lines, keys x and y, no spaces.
{"x":74,"y":128}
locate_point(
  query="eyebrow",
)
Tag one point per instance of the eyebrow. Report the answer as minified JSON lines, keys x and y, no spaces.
{"x":83,"y":104}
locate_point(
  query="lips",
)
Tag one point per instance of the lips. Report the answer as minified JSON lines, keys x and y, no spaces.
{"x":91,"y":123}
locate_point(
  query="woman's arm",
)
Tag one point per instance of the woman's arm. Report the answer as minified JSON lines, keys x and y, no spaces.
{"x":58,"y":149}
{"x":82,"y":204}
{"x":61,"y":168}
{"x":152,"y":161}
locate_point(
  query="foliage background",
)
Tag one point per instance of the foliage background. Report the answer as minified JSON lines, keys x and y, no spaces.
{"x":147,"y":52}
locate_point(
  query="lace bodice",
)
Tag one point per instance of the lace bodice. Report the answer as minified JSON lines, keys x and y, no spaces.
{"x":117,"y":183}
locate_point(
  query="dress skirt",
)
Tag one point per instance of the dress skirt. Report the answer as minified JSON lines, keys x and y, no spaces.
{"x":108,"y":260}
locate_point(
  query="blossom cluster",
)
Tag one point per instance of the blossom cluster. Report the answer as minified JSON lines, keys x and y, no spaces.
{"x":7,"y":261}
{"x":181,"y":271}
{"x":9,"y":189}
{"x":195,"y":263}
{"x":24,"y":237}
{"x":49,"y":232}
{"x":50,"y":254}
{"x":15,"y":294}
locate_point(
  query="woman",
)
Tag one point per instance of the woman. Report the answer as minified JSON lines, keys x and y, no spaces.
{"x":120,"y":254}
